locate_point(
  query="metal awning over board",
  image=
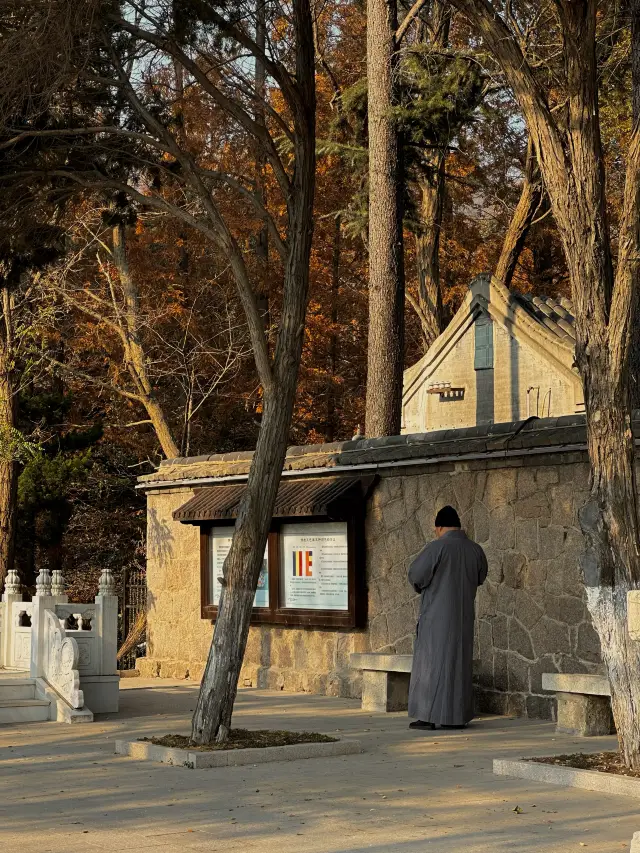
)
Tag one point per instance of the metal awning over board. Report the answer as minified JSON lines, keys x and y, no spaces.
{"x":316,"y":496}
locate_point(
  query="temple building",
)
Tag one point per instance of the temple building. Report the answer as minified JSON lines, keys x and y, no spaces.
{"x":504,"y":357}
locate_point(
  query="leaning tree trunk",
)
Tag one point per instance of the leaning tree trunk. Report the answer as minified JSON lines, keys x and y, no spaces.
{"x":429,"y":302}
{"x":528,"y":203}
{"x":386,"y":261}
{"x":8,"y":464}
{"x":432,"y":186}
{"x":610,"y":565}
{"x":212,"y":717}
{"x":610,"y":523}
{"x":572,"y":165}
{"x":133,"y":350}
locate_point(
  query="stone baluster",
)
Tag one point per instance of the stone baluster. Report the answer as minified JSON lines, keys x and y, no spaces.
{"x":57,"y":583}
{"x":43,"y":583}
{"x":12,"y":585}
{"x":106,"y":624}
{"x":12,"y":593}
{"x":107,"y":585}
{"x":42,"y":601}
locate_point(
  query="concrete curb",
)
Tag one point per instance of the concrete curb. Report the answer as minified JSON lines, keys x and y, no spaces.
{"x":569,"y":777}
{"x":144,"y":751}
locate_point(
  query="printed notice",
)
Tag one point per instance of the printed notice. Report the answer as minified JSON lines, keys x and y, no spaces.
{"x":314,"y":567}
{"x":220,"y":543}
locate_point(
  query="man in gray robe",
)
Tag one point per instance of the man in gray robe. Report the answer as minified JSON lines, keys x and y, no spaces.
{"x":447,"y":573}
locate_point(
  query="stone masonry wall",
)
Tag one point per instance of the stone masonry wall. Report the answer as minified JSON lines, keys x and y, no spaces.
{"x":299,"y":660}
{"x":531,"y":613}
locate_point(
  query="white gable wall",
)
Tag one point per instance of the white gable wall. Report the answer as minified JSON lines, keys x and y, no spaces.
{"x":517,"y":367}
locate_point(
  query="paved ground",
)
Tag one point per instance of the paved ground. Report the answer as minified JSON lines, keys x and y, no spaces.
{"x":62,"y":789}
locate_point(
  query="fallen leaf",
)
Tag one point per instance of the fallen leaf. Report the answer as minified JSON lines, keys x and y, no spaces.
{"x":517,"y":810}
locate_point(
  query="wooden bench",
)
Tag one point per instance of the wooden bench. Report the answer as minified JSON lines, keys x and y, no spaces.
{"x":584,"y":703}
{"x":385,"y":681}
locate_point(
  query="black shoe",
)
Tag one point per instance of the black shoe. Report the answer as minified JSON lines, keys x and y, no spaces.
{"x":454,"y":727}
{"x":420,"y":724}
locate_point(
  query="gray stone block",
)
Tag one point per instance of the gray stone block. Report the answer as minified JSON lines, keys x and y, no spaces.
{"x":519,"y":640}
{"x":383,"y":692}
{"x":588,"y":647}
{"x":381,"y":662}
{"x":587,"y":716}
{"x":569,"y":682}
{"x":502,"y":527}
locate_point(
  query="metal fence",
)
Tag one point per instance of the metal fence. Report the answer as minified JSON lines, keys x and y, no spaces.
{"x":134,"y":602}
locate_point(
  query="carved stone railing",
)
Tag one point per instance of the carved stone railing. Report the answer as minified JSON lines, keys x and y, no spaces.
{"x":79,"y":622}
{"x":21,"y":615}
{"x":61,"y":661}
{"x":73,"y":647}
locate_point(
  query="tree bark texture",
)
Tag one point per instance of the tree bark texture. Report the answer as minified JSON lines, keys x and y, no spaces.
{"x":571,"y":162}
{"x":212,"y":717}
{"x":332,"y":367}
{"x":386,"y":253}
{"x":8,"y":464}
{"x":528,"y":204}
{"x":431,"y":185}
{"x":634,"y":355}
{"x":133,"y":349}
{"x":429,"y":301}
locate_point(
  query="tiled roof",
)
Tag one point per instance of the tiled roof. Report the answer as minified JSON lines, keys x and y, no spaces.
{"x":555,"y":314}
{"x":534,"y":436}
{"x":312,"y":496}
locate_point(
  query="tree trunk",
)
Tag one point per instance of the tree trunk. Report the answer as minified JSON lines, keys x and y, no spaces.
{"x":432,"y":187}
{"x":134,"y":352}
{"x":572,"y":165}
{"x":386,"y":251}
{"x":528,"y":205}
{"x":8,"y":464}
{"x":429,"y":302}
{"x":333,"y":339}
{"x":262,"y":239}
{"x":634,"y":356}
{"x":212,"y":717}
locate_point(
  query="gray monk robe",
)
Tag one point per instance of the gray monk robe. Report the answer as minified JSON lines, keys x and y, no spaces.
{"x":447,"y":572}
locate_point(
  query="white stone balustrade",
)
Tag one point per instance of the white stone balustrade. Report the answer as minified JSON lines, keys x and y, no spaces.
{"x":60,"y":666}
{"x":72,"y":647}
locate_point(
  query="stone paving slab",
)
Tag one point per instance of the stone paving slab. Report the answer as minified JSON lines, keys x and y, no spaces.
{"x":63,"y":789}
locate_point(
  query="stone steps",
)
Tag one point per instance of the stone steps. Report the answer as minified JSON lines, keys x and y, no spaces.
{"x":17,"y":689}
{"x":18,"y":702}
{"x":24,"y":711}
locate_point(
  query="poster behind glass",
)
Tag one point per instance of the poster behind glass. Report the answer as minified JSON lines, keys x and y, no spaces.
{"x":314,"y":566}
{"x":220,"y":543}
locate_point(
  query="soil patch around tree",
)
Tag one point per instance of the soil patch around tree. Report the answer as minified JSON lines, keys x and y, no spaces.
{"x":604,"y":762}
{"x":242,"y":739}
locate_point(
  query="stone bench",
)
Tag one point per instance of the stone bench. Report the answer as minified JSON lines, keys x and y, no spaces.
{"x":584,"y":703}
{"x":385,"y":681}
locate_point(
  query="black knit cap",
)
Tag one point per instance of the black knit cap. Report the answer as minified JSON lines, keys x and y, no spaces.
{"x":447,"y":517}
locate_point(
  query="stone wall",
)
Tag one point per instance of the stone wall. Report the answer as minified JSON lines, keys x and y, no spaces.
{"x":178,"y":639}
{"x":522,"y":508}
{"x":531,"y":612}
